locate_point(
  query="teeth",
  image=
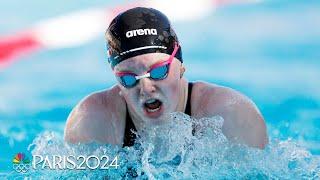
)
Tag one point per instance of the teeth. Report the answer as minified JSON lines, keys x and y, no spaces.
{"x":153,"y":110}
{"x":151,"y":101}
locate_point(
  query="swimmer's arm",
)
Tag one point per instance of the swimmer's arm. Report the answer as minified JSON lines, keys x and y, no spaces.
{"x":90,"y":121}
{"x":243,"y":123}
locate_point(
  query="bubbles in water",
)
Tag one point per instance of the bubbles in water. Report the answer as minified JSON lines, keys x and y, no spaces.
{"x":185,"y":148}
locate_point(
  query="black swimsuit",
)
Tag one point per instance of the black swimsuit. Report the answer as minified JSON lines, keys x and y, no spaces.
{"x":129,"y":136}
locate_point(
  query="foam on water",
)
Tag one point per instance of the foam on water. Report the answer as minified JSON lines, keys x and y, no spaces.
{"x":175,"y":151}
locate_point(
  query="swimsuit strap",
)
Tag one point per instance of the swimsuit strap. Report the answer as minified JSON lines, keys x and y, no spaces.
{"x":188,"y":106}
{"x":129,"y":136}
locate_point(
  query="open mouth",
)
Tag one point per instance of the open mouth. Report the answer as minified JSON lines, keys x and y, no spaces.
{"x":152,"y":105}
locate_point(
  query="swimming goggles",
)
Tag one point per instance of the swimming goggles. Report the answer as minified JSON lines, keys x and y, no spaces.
{"x":157,"y":71}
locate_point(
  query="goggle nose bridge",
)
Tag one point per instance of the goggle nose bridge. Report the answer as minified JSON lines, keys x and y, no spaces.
{"x":142,"y":76}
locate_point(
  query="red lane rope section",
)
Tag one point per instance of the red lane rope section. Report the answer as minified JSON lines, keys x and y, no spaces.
{"x":24,"y":43}
{"x":12,"y":46}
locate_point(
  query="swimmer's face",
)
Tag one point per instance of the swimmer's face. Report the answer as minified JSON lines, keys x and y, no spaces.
{"x":151,"y":99}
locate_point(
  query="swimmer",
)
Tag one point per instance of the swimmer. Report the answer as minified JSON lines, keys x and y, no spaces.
{"x":146,"y":59}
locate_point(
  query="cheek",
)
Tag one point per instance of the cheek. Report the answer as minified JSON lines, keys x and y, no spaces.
{"x":172,"y":84}
{"x":129,"y":95}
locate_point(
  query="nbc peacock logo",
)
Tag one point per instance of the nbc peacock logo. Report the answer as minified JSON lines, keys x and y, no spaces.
{"x":21,"y":163}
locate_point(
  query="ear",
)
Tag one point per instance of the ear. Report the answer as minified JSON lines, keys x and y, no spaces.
{"x":182,"y":70}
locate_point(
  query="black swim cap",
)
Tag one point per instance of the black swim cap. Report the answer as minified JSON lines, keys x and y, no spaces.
{"x":139,"y":31}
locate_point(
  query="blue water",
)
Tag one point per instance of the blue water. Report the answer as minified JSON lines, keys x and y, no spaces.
{"x":269,"y":51}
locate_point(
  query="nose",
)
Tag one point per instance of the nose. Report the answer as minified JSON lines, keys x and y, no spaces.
{"x":146,"y":86}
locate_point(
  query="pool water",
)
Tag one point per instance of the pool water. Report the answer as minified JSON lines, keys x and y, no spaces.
{"x":269,"y":51}
{"x":171,"y":151}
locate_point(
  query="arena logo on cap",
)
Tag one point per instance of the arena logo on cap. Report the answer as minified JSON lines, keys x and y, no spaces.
{"x":141,"y":32}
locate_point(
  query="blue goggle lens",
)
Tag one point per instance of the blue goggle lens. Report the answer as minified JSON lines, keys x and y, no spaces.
{"x":157,"y":73}
{"x":160,"y":72}
{"x":127,"y":80}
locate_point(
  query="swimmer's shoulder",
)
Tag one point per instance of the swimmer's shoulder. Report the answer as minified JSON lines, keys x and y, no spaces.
{"x":243,"y":121}
{"x":99,"y":117}
{"x":213,"y":98}
{"x":207,"y":98}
